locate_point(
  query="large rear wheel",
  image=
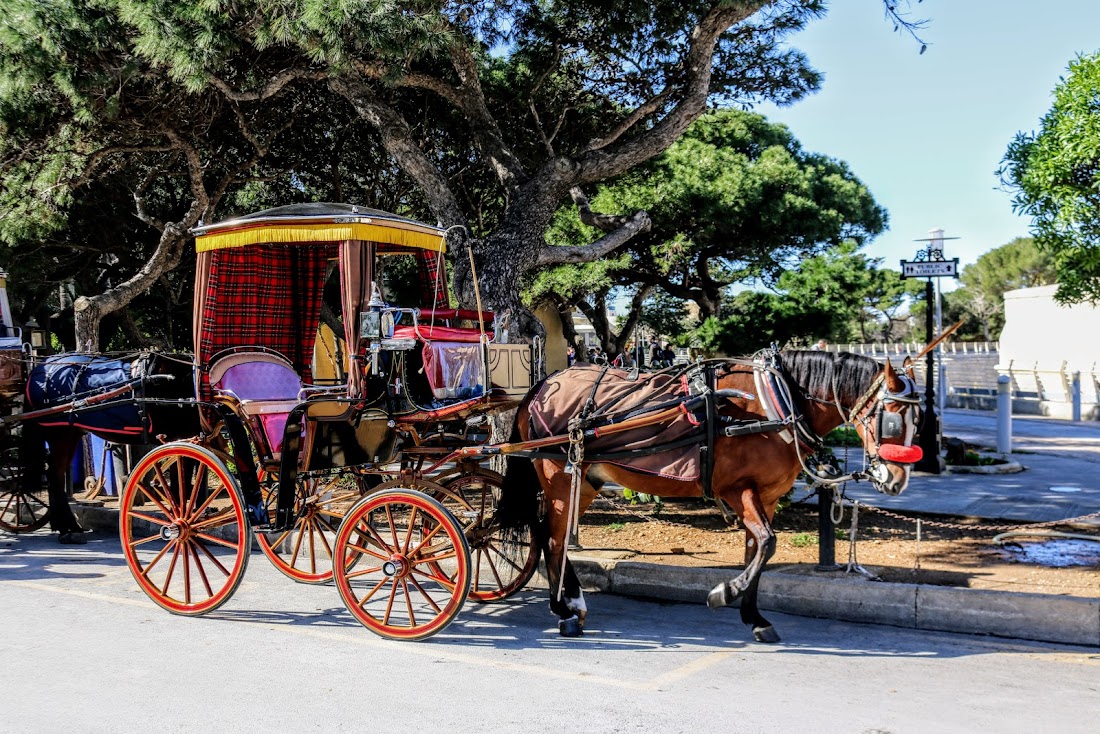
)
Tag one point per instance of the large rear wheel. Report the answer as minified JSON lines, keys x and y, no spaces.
{"x":503,"y":560}
{"x":404,"y":565}
{"x":304,"y":551}
{"x":184,"y":529}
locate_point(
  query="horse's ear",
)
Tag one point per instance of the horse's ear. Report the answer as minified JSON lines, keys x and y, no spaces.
{"x":893,"y":382}
{"x":907,"y":368}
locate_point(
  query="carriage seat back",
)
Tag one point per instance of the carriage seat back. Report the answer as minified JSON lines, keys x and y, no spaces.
{"x":265,"y":386}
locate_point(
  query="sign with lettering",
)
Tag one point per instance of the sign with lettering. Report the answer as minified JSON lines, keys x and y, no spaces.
{"x":930,"y":268}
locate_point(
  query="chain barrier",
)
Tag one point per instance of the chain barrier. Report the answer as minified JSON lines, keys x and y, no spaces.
{"x":980,"y":527}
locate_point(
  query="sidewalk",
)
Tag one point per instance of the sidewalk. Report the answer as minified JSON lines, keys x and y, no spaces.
{"x":1061,"y":477}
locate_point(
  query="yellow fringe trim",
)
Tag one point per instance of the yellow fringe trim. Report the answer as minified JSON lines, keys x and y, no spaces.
{"x":390,"y":233}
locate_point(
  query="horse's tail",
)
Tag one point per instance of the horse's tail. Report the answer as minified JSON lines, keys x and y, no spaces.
{"x":519,"y":494}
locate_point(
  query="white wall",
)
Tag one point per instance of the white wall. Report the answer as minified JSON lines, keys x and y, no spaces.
{"x":1038,"y":330}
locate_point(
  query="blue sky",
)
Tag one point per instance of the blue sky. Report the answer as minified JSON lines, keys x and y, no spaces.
{"x":927,"y":132}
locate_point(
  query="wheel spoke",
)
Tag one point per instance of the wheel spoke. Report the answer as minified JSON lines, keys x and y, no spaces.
{"x":507,"y":559}
{"x":198,"y":511}
{"x":297,"y":546}
{"x":393,"y":596}
{"x":200,"y":477}
{"x":425,"y":594}
{"x":409,"y":532}
{"x":408,"y":602}
{"x":436,"y":577}
{"x":393,"y":527}
{"x":147,"y":491}
{"x":171,"y":570}
{"x":213,"y":558}
{"x":187,"y":572}
{"x":374,"y":589}
{"x":363,"y":572}
{"x":225,"y":517}
{"x":202,"y":572}
{"x":149,"y":567}
{"x":368,"y":551}
{"x":424,"y":541}
{"x":219,"y":541}
{"x":143,"y":541}
{"x":151,"y":518}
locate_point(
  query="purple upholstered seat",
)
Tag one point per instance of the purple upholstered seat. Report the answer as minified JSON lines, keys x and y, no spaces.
{"x":266,"y":386}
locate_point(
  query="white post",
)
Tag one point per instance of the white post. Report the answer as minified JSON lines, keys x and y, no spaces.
{"x":1075,"y":392}
{"x":1004,"y":414}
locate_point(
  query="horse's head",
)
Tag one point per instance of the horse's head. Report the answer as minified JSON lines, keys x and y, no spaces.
{"x":887,"y":423}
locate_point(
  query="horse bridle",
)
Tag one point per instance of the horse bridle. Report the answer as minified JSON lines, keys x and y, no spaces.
{"x":870,"y":410}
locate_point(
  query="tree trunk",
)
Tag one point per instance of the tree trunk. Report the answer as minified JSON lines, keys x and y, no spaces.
{"x":88,"y":311}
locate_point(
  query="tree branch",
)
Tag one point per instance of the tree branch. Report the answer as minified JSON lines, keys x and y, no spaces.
{"x":605,"y":222}
{"x":605,"y":162}
{"x":397,"y":137}
{"x":270,"y":89}
{"x":610,"y":242}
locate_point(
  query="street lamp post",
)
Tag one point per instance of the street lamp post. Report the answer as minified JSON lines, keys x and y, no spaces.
{"x":930,"y":263}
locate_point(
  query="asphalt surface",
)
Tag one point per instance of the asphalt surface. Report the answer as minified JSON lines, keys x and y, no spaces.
{"x":1061,"y":477}
{"x":83,"y":650}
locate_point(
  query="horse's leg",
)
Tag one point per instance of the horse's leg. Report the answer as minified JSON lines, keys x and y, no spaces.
{"x":762,"y":629}
{"x":569,"y":606}
{"x":759,"y":548}
{"x":63,"y":444}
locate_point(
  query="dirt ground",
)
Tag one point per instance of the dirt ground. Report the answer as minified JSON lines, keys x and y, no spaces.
{"x":693,"y":533}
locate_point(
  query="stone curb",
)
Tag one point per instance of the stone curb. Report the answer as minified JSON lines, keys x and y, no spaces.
{"x":1042,"y":617}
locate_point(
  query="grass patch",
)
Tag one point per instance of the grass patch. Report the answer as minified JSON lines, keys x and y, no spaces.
{"x":803,"y":540}
{"x":616,"y":526}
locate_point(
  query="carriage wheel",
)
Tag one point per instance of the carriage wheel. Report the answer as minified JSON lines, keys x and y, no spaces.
{"x":20,"y":511}
{"x":304,"y":551}
{"x":503,"y":561}
{"x":405,"y":565}
{"x":183,"y":529}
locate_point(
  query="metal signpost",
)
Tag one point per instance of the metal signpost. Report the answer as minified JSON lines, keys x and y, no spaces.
{"x":931,"y":264}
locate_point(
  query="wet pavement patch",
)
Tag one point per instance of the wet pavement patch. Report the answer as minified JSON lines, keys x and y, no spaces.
{"x":1056,"y":553}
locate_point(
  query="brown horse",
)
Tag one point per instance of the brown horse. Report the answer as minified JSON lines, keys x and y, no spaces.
{"x":764,"y":426}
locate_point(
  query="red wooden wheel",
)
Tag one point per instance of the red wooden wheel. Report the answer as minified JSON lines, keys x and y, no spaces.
{"x":405,"y":568}
{"x":304,"y":552}
{"x":503,"y":561}
{"x":183,"y":528}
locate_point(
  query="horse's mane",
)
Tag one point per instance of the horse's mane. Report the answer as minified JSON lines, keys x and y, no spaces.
{"x":819,"y":373}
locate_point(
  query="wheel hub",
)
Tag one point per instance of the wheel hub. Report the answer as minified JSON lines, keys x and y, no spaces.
{"x":171,"y":532}
{"x":396,"y":567}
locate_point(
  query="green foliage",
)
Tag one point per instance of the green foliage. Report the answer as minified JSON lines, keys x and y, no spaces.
{"x":843,"y":436}
{"x":1055,"y":174}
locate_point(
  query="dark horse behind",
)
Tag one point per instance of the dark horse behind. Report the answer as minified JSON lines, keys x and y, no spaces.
{"x":151,"y":398}
{"x":747,"y":429}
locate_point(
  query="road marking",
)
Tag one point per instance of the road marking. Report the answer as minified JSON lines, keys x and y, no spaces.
{"x":368,"y":639}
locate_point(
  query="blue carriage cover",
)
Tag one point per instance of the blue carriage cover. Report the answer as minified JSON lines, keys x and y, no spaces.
{"x":64,"y":378}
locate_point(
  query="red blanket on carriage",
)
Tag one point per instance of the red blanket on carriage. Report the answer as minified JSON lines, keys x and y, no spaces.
{"x":564,"y":395}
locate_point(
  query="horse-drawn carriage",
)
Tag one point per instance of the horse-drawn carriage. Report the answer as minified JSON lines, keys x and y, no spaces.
{"x":311,"y":398}
{"x":347,"y":433}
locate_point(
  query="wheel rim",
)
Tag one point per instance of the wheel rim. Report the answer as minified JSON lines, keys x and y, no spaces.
{"x":304,"y":551}
{"x":20,"y":511}
{"x":405,"y":572}
{"x":183,"y":529}
{"x":502,"y":561}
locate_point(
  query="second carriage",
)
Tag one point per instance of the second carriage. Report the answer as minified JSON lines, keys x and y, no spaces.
{"x":331,"y":373}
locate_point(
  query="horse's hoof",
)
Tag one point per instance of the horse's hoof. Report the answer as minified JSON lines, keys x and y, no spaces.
{"x":75,"y":537}
{"x":571,"y":627}
{"x":765,"y":634}
{"x":720,"y":596}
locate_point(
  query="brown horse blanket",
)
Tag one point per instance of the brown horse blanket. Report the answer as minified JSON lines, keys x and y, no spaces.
{"x":565,"y":394}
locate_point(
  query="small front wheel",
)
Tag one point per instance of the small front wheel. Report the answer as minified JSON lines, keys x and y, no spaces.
{"x":184,"y":530}
{"x":402,"y":564}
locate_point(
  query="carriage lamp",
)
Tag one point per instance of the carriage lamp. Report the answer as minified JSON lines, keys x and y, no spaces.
{"x":37,"y":335}
{"x":375,"y":324}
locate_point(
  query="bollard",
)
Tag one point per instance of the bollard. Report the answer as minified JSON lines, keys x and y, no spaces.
{"x":826,"y":540}
{"x":1075,"y":394}
{"x":1004,"y":414}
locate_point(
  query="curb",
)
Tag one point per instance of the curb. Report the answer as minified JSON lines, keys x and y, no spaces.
{"x":828,"y":595}
{"x":1020,"y":615}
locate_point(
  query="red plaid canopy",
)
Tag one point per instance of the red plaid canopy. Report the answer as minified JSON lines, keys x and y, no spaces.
{"x":263,"y":295}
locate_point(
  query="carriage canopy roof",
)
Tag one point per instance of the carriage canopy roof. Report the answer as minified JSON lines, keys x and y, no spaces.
{"x":320,"y":223}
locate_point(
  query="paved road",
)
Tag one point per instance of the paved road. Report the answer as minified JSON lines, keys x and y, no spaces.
{"x":83,"y":650}
{"x":1061,"y":477}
